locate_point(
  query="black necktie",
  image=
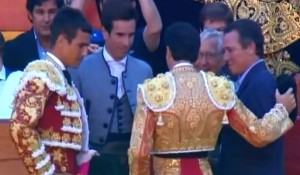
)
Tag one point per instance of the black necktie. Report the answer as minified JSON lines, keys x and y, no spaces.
{"x":67,"y":76}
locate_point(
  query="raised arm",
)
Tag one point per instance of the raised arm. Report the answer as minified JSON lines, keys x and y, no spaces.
{"x":260,"y":132}
{"x":141,"y":139}
{"x":77,"y":4}
{"x":29,"y":107}
{"x":151,"y":34}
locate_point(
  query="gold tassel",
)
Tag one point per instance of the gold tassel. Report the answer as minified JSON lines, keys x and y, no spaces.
{"x":225,"y":118}
{"x":160,"y":121}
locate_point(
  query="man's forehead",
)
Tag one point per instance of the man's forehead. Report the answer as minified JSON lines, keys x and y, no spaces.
{"x":44,"y":4}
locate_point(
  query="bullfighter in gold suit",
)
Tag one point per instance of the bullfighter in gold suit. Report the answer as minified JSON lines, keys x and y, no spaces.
{"x":49,"y":124}
{"x":179,"y":113}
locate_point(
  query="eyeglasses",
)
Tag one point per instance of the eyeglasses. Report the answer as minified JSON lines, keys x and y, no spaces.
{"x":208,"y":55}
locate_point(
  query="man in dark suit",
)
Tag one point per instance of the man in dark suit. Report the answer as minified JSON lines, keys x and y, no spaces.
{"x":34,"y":43}
{"x":108,"y":80}
{"x":243,"y":44}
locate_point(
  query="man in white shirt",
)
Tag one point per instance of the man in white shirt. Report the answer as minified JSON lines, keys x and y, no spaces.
{"x":107,"y":80}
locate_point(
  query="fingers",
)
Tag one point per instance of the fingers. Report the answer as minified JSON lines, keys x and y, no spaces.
{"x":289,"y":91}
{"x":277,"y":93}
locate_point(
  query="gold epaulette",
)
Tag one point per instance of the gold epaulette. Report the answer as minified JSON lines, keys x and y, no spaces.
{"x":220,"y":90}
{"x":47,"y":72}
{"x":159,"y":92}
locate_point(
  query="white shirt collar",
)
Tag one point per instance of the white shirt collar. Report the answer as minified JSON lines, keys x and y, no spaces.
{"x":3,"y":74}
{"x":57,"y":61}
{"x":182,"y":64}
{"x":109,"y":58}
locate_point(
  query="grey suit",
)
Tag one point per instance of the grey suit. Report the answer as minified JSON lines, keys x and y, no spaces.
{"x":104,"y":108}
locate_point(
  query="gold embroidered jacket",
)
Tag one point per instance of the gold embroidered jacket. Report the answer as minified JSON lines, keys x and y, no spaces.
{"x":182,"y":112}
{"x":46,"y":125}
{"x":280,"y":22}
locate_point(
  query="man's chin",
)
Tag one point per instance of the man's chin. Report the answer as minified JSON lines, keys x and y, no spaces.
{"x":45,"y":33}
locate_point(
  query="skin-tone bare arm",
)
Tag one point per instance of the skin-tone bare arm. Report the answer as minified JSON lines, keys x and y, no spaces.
{"x":79,"y":4}
{"x":153,"y":27}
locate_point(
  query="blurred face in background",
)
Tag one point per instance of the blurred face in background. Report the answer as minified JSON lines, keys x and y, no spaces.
{"x":42,"y":17}
{"x":210,"y":57}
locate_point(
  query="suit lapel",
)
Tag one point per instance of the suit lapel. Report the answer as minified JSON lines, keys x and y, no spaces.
{"x":32,"y":46}
{"x":248,"y":77}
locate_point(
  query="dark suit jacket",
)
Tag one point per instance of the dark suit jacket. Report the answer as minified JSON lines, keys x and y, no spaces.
{"x":238,"y":157}
{"x":20,"y":51}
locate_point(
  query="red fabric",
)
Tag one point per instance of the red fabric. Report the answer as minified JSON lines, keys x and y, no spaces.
{"x":190,"y":167}
{"x":84,"y":169}
{"x":53,"y":121}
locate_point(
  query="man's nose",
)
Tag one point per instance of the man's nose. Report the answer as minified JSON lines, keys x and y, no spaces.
{"x":47,"y":17}
{"x":226,"y":56}
{"x":126,"y":41}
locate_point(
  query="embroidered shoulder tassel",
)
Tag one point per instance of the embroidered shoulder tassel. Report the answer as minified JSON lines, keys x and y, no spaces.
{"x":160,"y":121}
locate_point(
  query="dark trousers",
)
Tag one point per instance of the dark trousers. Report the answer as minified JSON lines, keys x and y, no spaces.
{"x":109,"y":165}
{"x":113,"y":159}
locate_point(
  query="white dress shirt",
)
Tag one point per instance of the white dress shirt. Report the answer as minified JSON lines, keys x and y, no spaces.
{"x":7,"y":95}
{"x":116,"y":69}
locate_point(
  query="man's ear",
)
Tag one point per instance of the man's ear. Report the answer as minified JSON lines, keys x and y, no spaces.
{"x":61,"y":41}
{"x":29,"y":16}
{"x":251,"y":48}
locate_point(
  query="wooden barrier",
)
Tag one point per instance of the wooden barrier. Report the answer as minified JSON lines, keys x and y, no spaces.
{"x":10,"y":162}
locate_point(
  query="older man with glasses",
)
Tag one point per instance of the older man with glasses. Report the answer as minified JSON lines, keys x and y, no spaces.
{"x":210,"y":58}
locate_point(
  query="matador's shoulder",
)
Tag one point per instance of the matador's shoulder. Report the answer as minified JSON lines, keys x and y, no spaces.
{"x":47,"y":72}
{"x":159,"y":92}
{"x":220,"y":90}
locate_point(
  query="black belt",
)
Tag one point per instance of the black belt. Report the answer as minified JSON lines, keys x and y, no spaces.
{"x":202,"y":154}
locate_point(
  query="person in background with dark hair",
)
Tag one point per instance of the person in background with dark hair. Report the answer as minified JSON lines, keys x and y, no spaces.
{"x":107,"y":80}
{"x":33,"y":44}
{"x":215,"y":15}
{"x":244,"y":53}
{"x":49,"y":125}
{"x":179,"y":114}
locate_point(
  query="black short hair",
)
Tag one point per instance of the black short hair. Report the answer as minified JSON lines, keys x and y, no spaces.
{"x":67,"y":22}
{"x":30,"y":4}
{"x":216,"y":11}
{"x":114,"y":10}
{"x":183,"y":40}
{"x":249,"y":31}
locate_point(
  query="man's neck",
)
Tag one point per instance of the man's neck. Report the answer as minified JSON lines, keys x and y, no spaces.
{"x":180,"y":62}
{"x":44,"y":41}
{"x":112,"y":55}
